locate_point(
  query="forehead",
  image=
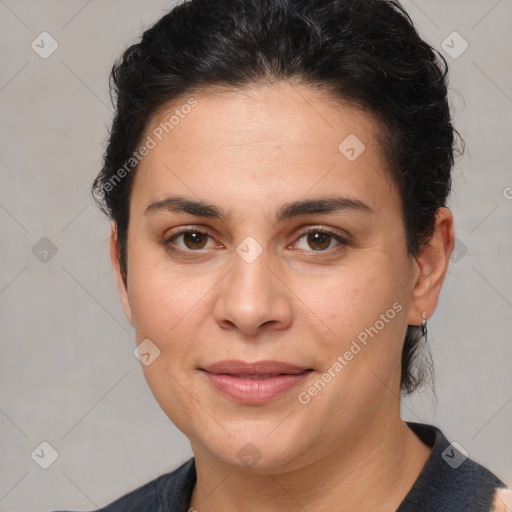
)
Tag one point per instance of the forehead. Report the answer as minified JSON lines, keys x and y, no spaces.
{"x":281,"y":114}
{"x":265,"y":141}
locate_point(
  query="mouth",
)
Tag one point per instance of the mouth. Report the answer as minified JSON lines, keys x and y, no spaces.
{"x":253,"y":383}
{"x":257,"y":376}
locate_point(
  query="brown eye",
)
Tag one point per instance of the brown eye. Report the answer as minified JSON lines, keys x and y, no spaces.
{"x":320,"y":241}
{"x":194,"y":240}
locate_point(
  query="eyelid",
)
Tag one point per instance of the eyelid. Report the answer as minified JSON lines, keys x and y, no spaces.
{"x":346,"y":237}
{"x":342,"y":239}
{"x":187,"y":229}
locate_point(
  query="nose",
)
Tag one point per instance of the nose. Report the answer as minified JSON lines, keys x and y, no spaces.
{"x":252,"y":299}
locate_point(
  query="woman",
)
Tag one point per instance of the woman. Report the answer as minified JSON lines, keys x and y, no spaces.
{"x":277,"y":177}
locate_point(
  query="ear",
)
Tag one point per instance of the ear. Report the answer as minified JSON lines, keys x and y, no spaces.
{"x":432,"y":266}
{"x":114,"y":258}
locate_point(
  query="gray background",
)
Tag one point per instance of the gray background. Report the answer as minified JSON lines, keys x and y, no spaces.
{"x":68,"y":374}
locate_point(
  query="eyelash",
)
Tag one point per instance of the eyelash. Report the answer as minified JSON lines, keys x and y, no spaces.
{"x":169,"y":239}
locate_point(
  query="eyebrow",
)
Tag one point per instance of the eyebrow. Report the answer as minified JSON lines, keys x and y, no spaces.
{"x":323,"y":205}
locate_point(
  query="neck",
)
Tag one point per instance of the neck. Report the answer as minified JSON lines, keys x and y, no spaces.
{"x":374,"y":469}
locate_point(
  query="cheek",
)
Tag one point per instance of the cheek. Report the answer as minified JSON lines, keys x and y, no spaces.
{"x":364,"y":308}
{"x":159,"y":298}
{"x":172,"y":392}
{"x":165,"y":308}
{"x":351,"y":299}
{"x":170,"y":305}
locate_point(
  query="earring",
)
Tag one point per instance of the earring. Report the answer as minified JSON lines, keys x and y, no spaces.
{"x":423,"y":325}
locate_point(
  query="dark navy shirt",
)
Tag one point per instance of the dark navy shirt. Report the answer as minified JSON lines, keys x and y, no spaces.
{"x":449,"y":482}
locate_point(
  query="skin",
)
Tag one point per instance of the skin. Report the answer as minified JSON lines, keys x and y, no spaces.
{"x":502,"y":501}
{"x":301,"y":301}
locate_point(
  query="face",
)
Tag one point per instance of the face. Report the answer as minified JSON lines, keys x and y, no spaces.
{"x":294,"y":255}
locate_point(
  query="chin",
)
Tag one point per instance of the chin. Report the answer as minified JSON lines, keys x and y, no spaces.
{"x":256,"y":450}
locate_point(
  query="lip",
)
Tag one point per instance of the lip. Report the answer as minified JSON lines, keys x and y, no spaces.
{"x":237,"y":367}
{"x":253,"y":383}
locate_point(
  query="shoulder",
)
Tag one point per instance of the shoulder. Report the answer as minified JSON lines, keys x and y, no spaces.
{"x":170,"y":491}
{"x":450,"y":481}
